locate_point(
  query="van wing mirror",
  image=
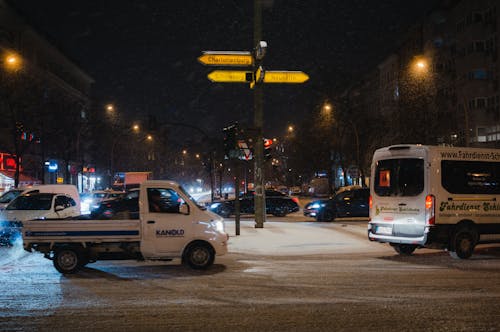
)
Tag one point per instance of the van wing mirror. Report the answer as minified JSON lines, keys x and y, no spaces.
{"x":184,"y":209}
{"x":59,"y":208}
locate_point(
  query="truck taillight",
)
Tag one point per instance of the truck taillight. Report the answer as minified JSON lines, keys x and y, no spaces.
{"x":430,"y":202}
{"x":370,"y":202}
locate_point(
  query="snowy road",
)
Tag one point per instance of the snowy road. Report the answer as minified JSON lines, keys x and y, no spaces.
{"x":289,"y":276}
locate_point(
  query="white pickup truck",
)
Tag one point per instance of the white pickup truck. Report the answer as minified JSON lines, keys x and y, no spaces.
{"x":170,"y":225}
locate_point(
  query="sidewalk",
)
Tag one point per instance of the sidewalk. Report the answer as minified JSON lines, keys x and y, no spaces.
{"x":298,"y":238}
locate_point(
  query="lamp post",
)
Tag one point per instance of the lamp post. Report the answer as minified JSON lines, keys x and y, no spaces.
{"x":13,"y":64}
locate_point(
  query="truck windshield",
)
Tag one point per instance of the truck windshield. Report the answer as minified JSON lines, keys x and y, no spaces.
{"x":399,"y":177}
{"x":191,"y":198}
{"x":31,"y":202}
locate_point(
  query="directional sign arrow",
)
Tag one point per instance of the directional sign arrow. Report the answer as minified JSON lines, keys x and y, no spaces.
{"x":275,"y":76}
{"x":230,"y":76}
{"x":237,"y":59}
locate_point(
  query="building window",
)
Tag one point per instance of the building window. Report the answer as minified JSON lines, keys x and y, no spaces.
{"x":479,"y":74}
{"x":479,"y":46}
{"x":477,"y":103}
{"x":478,"y":17}
{"x":480,"y":102}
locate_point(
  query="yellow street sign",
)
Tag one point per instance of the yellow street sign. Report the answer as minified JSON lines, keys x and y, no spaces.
{"x":238,"y":59}
{"x":272,"y":76}
{"x":230,"y":76}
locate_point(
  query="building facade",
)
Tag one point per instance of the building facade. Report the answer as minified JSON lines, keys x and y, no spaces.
{"x":44,"y":102}
{"x":441,"y":84}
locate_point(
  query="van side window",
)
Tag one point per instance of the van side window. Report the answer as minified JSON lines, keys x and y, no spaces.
{"x":61,"y":201}
{"x":65,"y":201}
{"x":470,"y":177}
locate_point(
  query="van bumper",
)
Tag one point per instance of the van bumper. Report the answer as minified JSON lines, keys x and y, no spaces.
{"x":390,"y":238}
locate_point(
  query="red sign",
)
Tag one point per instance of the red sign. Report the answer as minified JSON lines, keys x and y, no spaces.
{"x":7,"y":162}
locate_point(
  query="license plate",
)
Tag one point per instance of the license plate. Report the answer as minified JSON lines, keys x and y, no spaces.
{"x":383,"y":230}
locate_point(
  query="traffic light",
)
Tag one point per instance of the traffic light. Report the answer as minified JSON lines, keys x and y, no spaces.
{"x":268,"y":143}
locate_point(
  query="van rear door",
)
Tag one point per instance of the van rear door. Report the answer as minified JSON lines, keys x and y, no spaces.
{"x":398,"y":196}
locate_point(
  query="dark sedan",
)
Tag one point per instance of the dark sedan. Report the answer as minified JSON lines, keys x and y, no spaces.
{"x":125,"y":207}
{"x":350,"y":202}
{"x":277,"y":204}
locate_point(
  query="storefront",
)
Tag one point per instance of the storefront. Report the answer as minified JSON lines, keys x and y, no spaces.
{"x":7,"y":180}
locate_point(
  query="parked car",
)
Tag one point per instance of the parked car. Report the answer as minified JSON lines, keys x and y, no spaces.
{"x":34,"y":206}
{"x":127,"y":205}
{"x":295,"y":190}
{"x":95,"y":198}
{"x":347,"y":202}
{"x":277,"y":204}
{"x":67,"y":189}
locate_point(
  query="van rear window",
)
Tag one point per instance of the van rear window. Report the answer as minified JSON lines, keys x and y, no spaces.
{"x":470,"y":177}
{"x":399,"y":177}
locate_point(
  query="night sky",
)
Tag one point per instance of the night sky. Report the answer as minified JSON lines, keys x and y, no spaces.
{"x":143,"y":54}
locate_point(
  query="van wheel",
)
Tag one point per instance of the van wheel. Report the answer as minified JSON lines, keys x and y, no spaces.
{"x":405,"y":249}
{"x":199,"y":255}
{"x":463,"y":243}
{"x":67,"y":260}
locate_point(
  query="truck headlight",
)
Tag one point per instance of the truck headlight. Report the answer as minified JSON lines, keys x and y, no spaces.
{"x":219,"y":226}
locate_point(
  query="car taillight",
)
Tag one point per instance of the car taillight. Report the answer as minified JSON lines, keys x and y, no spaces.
{"x":430,"y":203}
{"x":295,"y":199}
{"x":370,"y":201}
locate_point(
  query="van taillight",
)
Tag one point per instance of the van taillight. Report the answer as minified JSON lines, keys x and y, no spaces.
{"x":370,"y":202}
{"x":430,"y":201}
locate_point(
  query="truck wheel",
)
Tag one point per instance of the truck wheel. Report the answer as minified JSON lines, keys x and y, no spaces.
{"x":199,"y":255}
{"x":463,"y":243}
{"x":405,"y":249}
{"x":67,"y":260}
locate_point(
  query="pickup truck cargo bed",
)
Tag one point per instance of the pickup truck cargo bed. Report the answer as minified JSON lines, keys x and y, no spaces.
{"x":81,"y":230}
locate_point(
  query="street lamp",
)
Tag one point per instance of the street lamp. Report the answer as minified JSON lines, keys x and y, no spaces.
{"x":12,"y":62}
{"x":420,"y":67}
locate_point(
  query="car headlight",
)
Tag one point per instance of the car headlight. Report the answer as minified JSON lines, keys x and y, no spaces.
{"x":214,"y":206}
{"x":316,"y":205}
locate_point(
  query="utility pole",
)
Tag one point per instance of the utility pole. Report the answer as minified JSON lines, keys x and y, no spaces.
{"x":255,"y":78}
{"x":260,"y":199}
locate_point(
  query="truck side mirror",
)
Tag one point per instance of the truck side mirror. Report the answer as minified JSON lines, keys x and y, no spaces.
{"x":59,"y":208}
{"x":184,"y":209}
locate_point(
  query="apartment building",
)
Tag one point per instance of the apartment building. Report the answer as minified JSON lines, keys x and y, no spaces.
{"x":440,"y":85}
{"x":48,"y":91}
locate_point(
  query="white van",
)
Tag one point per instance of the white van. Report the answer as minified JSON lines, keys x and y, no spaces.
{"x":67,"y":189}
{"x":435,"y":197}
